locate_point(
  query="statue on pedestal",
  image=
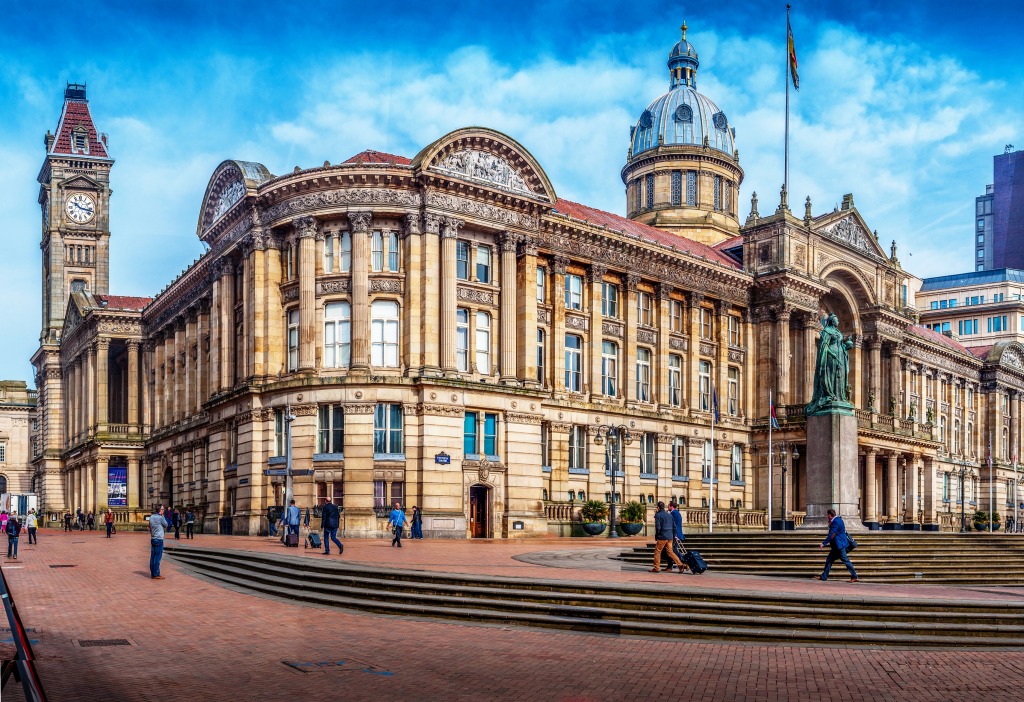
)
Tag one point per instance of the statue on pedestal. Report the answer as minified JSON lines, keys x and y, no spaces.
{"x":831,"y":371}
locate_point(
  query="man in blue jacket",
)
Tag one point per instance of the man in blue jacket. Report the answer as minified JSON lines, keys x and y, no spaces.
{"x":663,"y":535}
{"x":330,"y":520}
{"x":839,"y":542}
{"x":292,"y":518}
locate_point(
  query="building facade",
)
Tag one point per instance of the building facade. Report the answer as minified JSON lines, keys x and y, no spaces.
{"x":445,"y":331}
{"x":17,"y":410}
{"x":999,"y":215}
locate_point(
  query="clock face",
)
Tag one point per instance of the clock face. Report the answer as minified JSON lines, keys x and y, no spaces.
{"x":80,"y":208}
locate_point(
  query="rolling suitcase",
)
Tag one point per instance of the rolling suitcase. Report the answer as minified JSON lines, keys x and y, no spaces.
{"x":313,"y":540}
{"x":292,"y":540}
{"x":696,"y":564}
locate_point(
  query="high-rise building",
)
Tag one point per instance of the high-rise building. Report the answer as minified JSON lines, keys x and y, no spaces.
{"x":999,"y":215}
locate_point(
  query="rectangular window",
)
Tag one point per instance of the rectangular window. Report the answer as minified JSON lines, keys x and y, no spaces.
{"x":280,"y":438}
{"x":483,"y":264}
{"x":718,"y":193}
{"x":737,"y":464}
{"x":490,"y":434}
{"x":573,"y":363}
{"x":337,"y":335}
{"x":462,"y":260}
{"x":677,"y":187}
{"x":387,"y":429}
{"x":613,"y":457}
{"x":706,"y":324}
{"x":462,"y":339}
{"x":935,"y":304}
{"x":648,"y":453}
{"x":945,"y":487}
{"x":643,"y":375}
{"x":981,"y":238}
{"x":573,"y":292}
{"x":377,"y":252}
{"x":675,"y":316}
{"x":981,"y":225}
{"x":345,"y":264}
{"x":393,"y":252}
{"x":678,"y":457}
{"x":577,"y":447}
{"x":542,"y":276}
{"x":330,"y":492}
{"x":734,"y":331}
{"x":380,"y":496}
{"x":675,"y":380}
{"x":609,"y":368}
{"x":293,"y":340}
{"x":483,"y":343}
{"x":384,"y":334}
{"x":610,"y":300}
{"x":541,"y":353}
{"x":734,"y":392}
{"x":545,"y":446}
{"x":704,"y":385}
{"x":470,"y":444}
{"x":649,"y":190}
{"x":691,"y":188}
{"x":644,"y":309}
{"x":707,"y":460}
{"x":330,"y":430}
{"x":328,"y":253}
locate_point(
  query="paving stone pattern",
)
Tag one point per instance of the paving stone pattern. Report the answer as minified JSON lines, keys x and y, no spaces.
{"x":193,"y":639}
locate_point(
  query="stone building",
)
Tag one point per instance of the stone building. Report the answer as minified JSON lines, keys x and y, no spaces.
{"x":17,"y":407}
{"x":446,"y":331}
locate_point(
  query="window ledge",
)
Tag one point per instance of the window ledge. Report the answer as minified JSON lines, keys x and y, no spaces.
{"x":328,"y":457}
{"x":618,"y":473}
{"x":648,"y":476}
{"x":738,"y":483}
{"x":708,"y":480}
{"x":545,"y":469}
{"x":680,"y":479}
{"x":277,"y":460}
{"x":389,"y":456}
{"x":579,"y":471}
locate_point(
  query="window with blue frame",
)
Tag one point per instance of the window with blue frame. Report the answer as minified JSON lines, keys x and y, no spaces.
{"x":480,"y":434}
{"x":387,"y":430}
{"x":469,"y":442}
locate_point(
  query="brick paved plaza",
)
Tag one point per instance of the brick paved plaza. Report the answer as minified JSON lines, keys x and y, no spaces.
{"x":196,"y":640}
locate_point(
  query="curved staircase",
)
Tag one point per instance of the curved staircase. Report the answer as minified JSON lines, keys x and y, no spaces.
{"x":663,"y":610}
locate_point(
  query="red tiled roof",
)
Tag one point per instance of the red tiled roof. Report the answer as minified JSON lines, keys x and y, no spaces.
{"x":371,"y":156}
{"x":122,"y":302}
{"x":980,"y":351}
{"x":75,"y":113}
{"x":642,"y":231}
{"x":929,"y":335}
{"x":730,"y":243}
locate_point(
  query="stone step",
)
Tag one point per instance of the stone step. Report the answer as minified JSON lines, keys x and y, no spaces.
{"x":624,"y":608}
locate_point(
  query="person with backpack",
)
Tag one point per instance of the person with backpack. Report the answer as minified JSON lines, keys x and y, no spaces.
{"x":13,"y":530}
{"x":31,"y":522}
{"x":67,"y":521}
{"x":397,"y":521}
{"x":417,"y":523}
{"x":190,"y":522}
{"x":90,"y":521}
{"x":176,"y":523}
{"x":330,"y":520}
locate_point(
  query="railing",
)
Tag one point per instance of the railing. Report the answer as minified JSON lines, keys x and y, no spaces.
{"x":747,"y":519}
{"x":23,"y":666}
{"x":561,"y":512}
{"x":118,"y":428}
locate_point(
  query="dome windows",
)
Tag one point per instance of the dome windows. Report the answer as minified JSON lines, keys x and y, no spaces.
{"x":684,"y":114}
{"x":646,"y":120}
{"x":720,"y":121}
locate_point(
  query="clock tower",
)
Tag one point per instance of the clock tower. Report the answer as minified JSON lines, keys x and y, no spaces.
{"x":74,"y":194}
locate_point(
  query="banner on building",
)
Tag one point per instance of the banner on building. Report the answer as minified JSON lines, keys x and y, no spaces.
{"x":117,"y":486}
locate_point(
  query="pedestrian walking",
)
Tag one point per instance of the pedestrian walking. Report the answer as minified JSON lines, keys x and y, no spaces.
{"x":663,"y":535}
{"x":397,"y":520}
{"x":13,"y":530}
{"x":32,"y":523}
{"x":839,"y":542}
{"x":176,"y":523}
{"x":677,"y":531}
{"x":330,"y":520}
{"x":157,"y":527}
{"x":108,"y":522}
{"x":417,"y":523}
{"x":4,"y":517}
{"x":81,"y":519}
{"x":67,"y":521}
{"x":190,"y":523}
{"x":90,"y":521}
{"x":292,"y":518}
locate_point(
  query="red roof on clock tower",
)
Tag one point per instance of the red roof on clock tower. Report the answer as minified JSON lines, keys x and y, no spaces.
{"x":76,"y":133}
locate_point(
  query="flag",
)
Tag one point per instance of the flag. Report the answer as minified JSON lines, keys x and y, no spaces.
{"x":714,"y":402}
{"x":774,"y":418}
{"x":792,"y":54}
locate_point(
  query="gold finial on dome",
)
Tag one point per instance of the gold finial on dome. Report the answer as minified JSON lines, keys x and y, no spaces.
{"x":684,"y":29}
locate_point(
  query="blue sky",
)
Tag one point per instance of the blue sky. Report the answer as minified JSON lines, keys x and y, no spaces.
{"x":902,"y":104}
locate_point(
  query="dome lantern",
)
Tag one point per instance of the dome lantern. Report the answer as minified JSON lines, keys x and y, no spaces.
{"x":683,"y":63}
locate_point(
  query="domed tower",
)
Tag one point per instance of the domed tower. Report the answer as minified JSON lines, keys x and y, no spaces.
{"x":683,"y":172}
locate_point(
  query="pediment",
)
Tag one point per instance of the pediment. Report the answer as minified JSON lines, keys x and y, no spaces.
{"x":847,"y":228}
{"x":487,"y":158}
{"x":1008,"y":354}
{"x":230,"y":183}
{"x":81,"y":182}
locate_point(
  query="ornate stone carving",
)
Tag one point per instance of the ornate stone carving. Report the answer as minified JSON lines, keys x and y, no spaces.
{"x":305,"y":227}
{"x":386,"y":285}
{"x":694,"y":299}
{"x":508,"y":242}
{"x":560,"y":264}
{"x":665,"y":290}
{"x":436,"y":410}
{"x":849,"y":232}
{"x":577,"y":322}
{"x":432,"y":223}
{"x":290,"y":293}
{"x":677,"y":344}
{"x":596,"y":273}
{"x":120,"y":326}
{"x":527,"y":246}
{"x":519,"y":418}
{"x":707,"y":349}
{"x":543,"y":316}
{"x":484,"y":167}
{"x":360,"y":222}
{"x":228,"y":197}
{"x":342,"y":196}
{"x":632,"y":281}
{"x":360,"y":409}
{"x":646,"y":336}
{"x":611,"y":329}
{"x":450,"y":227}
{"x":483,"y":210}
{"x":327,"y":287}
{"x":735,"y":356}
{"x":473,"y":295}
{"x":305,"y":410}
{"x":411,"y":223}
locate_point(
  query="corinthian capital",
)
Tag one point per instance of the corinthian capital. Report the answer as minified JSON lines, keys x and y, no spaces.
{"x":305,"y":227}
{"x":360,"y":221}
{"x":411,"y":223}
{"x":450,"y":227}
{"x":508,"y":241}
{"x":432,"y":223}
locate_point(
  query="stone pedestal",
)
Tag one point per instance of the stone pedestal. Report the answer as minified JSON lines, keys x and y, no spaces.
{"x":832,"y":479}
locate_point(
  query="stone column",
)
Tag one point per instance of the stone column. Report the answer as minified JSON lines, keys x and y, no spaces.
{"x":90,"y":391}
{"x":359,"y":223}
{"x":188,"y":372}
{"x":157,"y":406}
{"x":508,"y":243}
{"x":133,"y":384}
{"x":431,"y":294}
{"x":413,"y":318}
{"x":811,"y":327}
{"x":595,"y":278}
{"x":1014,"y":418}
{"x":449,"y":287}
{"x":180,"y":363}
{"x":556,"y":343}
{"x":910,"y":520}
{"x":892,"y":492}
{"x":694,"y":300}
{"x":305,"y":231}
{"x":875,"y":374}
{"x":631,"y":319}
{"x":721,"y":371}
{"x":783,"y":359}
{"x":216,"y":325}
{"x":856,"y":383}
{"x":103,"y":384}
{"x":870,"y":490}
{"x":895,"y":391}
{"x":134,"y":482}
{"x":203,"y":363}
{"x":526,"y":308}
{"x":929,"y":518}
{"x":659,"y":375}
{"x":257,"y":339}
{"x":100,"y":488}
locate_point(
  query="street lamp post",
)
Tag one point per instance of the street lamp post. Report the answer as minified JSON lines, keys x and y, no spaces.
{"x":783,"y":454}
{"x":613,"y":434}
{"x":288,"y":419}
{"x":962,"y":472}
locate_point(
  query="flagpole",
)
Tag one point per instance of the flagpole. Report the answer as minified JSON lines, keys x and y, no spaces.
{"x":990,"y":482}
{"x":711,"y":483}
{"x":770,"y":481}
{"x":785,"y":181}
{"x":1015,"y":491}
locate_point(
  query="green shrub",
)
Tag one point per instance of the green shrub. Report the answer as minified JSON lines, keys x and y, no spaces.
{"x":633,"y":512}
{"x":594,"y":511}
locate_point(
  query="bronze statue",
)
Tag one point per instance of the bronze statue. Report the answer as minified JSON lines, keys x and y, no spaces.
{"x":832,"y":368}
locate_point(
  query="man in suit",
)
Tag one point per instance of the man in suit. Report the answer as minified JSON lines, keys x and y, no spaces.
{"x":330,"y":520}
{"x":663,"y":535}
{"x":839,"y":542}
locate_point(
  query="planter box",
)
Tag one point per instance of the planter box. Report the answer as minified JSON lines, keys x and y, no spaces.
{"x":593,"y":528}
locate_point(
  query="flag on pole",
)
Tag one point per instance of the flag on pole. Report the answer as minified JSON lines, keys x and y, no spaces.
{"x":774,"y":417}
{"x":714,"y":402}
{"x":792,"y":54}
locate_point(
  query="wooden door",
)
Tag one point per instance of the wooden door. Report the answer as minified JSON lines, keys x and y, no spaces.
{"x":478,"y":512}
